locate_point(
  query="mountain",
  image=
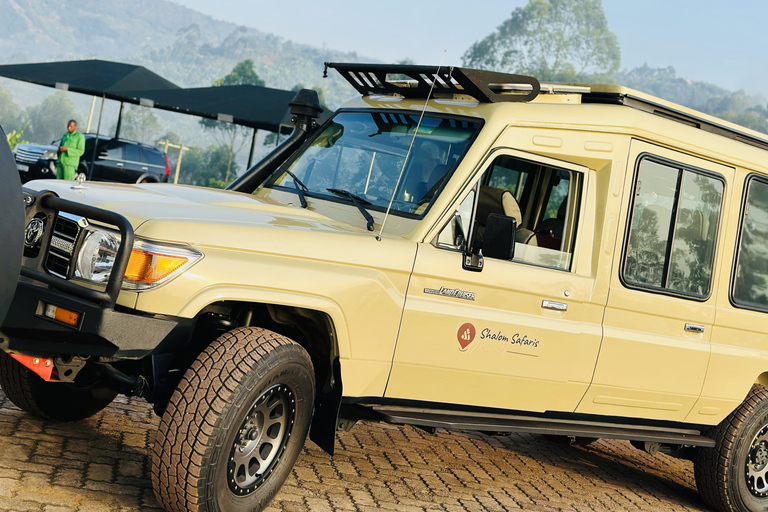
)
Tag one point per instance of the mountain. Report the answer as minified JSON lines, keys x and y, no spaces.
{"x":47,"y":29}
{"x":183,"y":45}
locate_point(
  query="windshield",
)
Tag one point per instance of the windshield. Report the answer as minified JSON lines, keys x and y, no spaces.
{"x":362,"y":153}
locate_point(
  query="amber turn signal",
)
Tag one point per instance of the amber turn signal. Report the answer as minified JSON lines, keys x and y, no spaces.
{"x":150,"y":267}
{"x":65,"y":316}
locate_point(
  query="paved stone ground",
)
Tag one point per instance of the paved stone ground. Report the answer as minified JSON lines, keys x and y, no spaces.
{"x":102,"y":464}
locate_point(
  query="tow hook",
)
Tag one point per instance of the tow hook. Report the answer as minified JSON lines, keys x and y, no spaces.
{"x":42,"y":366}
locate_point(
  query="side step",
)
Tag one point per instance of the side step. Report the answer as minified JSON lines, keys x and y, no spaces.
{"x":453,"y":420}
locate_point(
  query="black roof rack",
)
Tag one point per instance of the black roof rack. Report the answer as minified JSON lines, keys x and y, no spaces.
{"x":416,"y":81}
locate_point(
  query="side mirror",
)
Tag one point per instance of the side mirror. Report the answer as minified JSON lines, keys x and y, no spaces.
{"x":499,"y":237}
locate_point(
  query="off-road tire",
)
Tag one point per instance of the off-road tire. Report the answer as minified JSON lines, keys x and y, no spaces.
{"x":721,"y":471}
{"x":56,"y":401}
{"x":201,"y":426}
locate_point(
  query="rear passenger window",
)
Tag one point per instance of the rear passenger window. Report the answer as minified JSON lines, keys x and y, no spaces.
{"x":673,"y":229}
{"x":750,"y":287}
{"x":132,"y":153}
{"x":154,"y":158}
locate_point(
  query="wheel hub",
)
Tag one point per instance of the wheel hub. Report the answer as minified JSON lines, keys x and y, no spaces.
{"x":757,"y":464}
{"x":261,"y":439}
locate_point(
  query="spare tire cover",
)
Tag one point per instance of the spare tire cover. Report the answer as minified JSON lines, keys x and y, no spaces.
{"x":11,"y":225}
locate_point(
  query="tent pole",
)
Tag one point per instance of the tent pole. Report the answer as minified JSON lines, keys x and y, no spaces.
{"x":90,"y":114}
{"x":178,"y":163}
{"x":119,"y":120}
{"x":253,"y":144}
{"x":96,"y":142}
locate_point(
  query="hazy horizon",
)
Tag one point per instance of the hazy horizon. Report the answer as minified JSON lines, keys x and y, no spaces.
{"x":699,"y":39}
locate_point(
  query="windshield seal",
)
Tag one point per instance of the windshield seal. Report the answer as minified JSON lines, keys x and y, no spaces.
{"x":327,"y":196}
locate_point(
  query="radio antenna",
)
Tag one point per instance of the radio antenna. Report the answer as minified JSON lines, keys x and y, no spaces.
{"x":410,"y":147}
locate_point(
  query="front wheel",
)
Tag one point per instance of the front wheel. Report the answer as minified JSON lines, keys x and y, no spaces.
{"x":59,"y":401}
{"x":733,"y":476}
{"x":235,"y":424}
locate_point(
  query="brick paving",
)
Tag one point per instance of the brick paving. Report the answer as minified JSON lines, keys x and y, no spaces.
{"x":103,"y":465}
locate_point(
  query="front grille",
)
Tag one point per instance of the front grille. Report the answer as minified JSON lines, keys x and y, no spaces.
{"x":28,"y":156}
{"x":62,"y":248}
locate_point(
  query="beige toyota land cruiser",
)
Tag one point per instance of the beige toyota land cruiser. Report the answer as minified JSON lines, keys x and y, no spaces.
{"x":452,"y":249}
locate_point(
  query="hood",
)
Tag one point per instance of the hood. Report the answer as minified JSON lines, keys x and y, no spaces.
{"x":37,"y":148}
{"x":161,"y":203}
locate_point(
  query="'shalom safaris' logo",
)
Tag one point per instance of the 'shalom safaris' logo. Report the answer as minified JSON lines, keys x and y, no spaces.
{"x":466,"y":335}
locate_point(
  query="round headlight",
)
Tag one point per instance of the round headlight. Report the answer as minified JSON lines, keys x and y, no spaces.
{"x":97,"y":256}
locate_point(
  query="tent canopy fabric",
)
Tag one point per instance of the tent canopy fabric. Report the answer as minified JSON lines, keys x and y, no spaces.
{"x":257,"y":107}
{"x":94,"y":77}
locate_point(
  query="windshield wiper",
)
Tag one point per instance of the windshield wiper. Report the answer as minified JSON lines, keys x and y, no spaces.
{"x":300,"y":188}
{"x":358,"y":201}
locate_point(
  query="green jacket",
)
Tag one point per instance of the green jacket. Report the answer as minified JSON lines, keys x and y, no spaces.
{"x":75,"y":144}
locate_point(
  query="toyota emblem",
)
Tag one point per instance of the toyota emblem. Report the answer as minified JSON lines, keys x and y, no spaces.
{"x":34,"y":232}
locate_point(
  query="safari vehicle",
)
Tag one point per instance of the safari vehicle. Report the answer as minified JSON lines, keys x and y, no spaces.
{"x":452,"y":249}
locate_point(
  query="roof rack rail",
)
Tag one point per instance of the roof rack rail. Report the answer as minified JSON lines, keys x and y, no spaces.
{"x":679,"y":115}
{"x":411,"y":81}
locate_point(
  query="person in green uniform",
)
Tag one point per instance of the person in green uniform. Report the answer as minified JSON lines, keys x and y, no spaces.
{"x":71,"y":149}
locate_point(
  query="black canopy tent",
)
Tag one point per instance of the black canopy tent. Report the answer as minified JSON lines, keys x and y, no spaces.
{"x":93,"y":77}
{"x":110,"y":80}
{"x":260,"y":108}
{"x":263,"y":108}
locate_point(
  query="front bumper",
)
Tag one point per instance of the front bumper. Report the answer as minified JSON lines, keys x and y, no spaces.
{"x":39,"y":170}
{"x":102,"y":332}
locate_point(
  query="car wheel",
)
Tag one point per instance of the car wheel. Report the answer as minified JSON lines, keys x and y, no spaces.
{"x":733,"y":476}
{"x":235,"y":424}
{"x":147,"y":178}
{"x":57,"y":401}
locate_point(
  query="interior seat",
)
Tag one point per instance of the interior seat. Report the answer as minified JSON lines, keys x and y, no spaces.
{"x":501,"y":201}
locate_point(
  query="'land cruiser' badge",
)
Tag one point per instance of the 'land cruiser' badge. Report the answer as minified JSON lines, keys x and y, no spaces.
{"x":451,"y":292}
{"x":466,"y":335}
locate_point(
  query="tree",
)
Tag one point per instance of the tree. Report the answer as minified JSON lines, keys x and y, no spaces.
{"x":12,"y":117}
{"x":230,"y":135}
{"x":14,"y":137}
{"x":140,"y":123}
{"x":553,"y":40}
{"x":48,"y":121}
{"x":206,"y":167}
{"x":242,"y":74}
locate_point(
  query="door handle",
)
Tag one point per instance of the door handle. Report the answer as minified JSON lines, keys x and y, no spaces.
{"x":551,"y":304}
{"x":118,"y":164}
{"x":694,"y":328}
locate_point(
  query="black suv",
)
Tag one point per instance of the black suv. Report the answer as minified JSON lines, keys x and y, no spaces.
{"x":119,"y":160}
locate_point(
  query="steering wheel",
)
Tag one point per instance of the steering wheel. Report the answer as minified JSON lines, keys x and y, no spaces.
{"x":403,"y":206}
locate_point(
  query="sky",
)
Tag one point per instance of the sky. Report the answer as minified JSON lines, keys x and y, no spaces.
{"x":721,"y":42}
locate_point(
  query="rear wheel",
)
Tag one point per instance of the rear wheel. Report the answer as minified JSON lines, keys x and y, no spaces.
{"x":54,"y":400}
{"x":733,"y":476}
{"x":235,"y":424}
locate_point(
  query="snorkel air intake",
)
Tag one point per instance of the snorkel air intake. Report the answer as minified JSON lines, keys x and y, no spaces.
{"x":305,"y":108}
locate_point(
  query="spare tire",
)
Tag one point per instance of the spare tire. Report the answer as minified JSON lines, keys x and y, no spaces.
{"x":11,"y":225}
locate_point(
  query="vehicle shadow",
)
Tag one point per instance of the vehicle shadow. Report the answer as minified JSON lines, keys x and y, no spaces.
{"x":100,"y":463}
